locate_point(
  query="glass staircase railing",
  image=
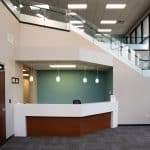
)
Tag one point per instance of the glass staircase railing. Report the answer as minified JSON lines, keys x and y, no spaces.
{"x":135,"y":55}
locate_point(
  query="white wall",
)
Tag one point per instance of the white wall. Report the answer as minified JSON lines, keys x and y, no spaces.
{"x":133,"y":93}
{"x":9,"y":27}
{"x":48,"y":44}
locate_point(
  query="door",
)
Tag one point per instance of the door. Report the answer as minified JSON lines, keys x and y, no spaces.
{"x":2,"y":105}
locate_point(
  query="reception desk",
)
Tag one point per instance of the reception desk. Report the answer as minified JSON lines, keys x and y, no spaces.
{"x":64,"y":119}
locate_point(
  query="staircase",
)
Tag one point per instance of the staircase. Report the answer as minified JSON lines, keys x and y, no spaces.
{"x":67,"y":20}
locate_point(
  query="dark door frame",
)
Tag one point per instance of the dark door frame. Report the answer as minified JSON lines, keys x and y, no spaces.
{"x":2,"y":106}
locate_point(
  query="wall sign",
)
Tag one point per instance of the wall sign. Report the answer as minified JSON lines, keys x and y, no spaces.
{"x":1,"y":67}
{"x":14,"y":80}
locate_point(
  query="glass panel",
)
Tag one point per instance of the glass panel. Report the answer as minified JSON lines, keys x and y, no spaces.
{"x":139,"y":34}
{"x":146,"y":27}
{"x":146,"y":32}
{"x":128,"y":40}
{"x":133,"y":38}
{"x":13,"y":6}
{"x":32,"y":12}
{"x":56,"y":14}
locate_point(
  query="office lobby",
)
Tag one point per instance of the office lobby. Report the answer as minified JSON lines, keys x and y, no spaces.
{"x":74,"y":75}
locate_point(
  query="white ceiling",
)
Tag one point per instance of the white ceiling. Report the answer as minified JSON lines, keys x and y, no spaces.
{"x":44,"y":65}
{"x":96,"y":11}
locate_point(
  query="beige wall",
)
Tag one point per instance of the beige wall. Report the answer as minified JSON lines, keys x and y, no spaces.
{"x":30,"y":89}
{"x":26,"y":90}
{"x":48,"y":44}
{"x":133,"y":93}
{"x":9,"y":26}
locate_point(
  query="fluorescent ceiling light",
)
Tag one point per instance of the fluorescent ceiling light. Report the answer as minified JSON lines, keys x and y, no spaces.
{"x":72,"y":14}
{"x":115,"y":6}
{"x":77,"y":6}
{"x":34,"y":8}
{"x":108,"y":21}
{"x":44,"y":6}
{"x":102,"y":35}
{"x":26,"y":75}
{"x":104,"y":30}
{"x":77,"y":22}
{"x":39,"y":15}
{"x":62,"y":66}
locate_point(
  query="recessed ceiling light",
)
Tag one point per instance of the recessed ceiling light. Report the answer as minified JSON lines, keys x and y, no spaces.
{"x":116,"y":6}
{"x":77,"y":21}
{"x":34,"y":8}
{"x":62,"y":66}
{"x":104,"y":30}
{"x":39,"y":15}
{"x":44,"y":6}
{"x":26,"y":75}
{"x":72,"y":14}
{"x":77,"y":6}
{"x":108,"y":21}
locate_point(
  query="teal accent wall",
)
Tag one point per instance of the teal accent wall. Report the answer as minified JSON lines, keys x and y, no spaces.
{"x":71,"y":87}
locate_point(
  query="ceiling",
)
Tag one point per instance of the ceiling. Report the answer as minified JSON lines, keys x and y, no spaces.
{"x":96,"y":11}
{"x":44,"y":65}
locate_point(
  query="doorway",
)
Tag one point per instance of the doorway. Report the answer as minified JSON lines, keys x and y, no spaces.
{"x":2,"y":106}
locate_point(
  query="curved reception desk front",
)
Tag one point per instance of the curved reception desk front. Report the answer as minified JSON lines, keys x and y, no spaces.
{"x":64,"y":119}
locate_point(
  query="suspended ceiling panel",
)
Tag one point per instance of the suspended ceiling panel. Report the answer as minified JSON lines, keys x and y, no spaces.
{"x":96,"y":11}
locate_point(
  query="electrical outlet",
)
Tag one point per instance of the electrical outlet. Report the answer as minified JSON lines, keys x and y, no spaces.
{"x":9,"y":100}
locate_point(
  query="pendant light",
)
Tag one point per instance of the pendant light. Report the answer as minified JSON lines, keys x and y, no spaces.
{"x":58,"y":79}
{"x":84,"y":78}
{"x":31,"y":78}
{"x":97,"y":78}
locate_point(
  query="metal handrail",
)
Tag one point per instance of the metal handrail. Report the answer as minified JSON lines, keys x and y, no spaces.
{"x":90,"y":28}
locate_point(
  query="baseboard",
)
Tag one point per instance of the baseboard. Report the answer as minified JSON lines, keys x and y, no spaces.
{"x":134,"y":125}
{"x":10,"y":137}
